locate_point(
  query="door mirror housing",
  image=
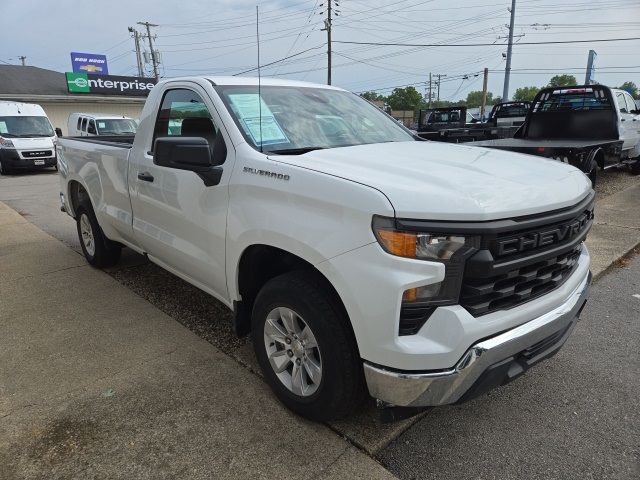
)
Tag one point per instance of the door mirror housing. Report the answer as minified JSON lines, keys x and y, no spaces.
{"x":187,"y":153}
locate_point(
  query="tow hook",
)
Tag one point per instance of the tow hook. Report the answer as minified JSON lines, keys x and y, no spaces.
{"x":392,"y":413}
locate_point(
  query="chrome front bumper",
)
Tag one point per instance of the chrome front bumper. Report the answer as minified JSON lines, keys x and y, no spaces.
{"x":486,"y":364}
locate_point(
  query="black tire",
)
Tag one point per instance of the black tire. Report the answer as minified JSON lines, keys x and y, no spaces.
{"x":635,"y":167}
{"x":592,"y":173}
{"x":104,"y":253}
{"x":341,"y":389}
{"x":3,"y":169}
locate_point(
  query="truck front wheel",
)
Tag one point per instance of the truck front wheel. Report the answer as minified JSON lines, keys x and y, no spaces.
{"x":97,"y":249}
{"x":305,"y":348}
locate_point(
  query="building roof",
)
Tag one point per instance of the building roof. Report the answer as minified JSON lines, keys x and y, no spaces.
{"x":19,"y":80}
{"x":34,"y":84}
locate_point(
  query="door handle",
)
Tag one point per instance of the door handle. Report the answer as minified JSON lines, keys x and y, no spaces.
{"x":145,"y":177}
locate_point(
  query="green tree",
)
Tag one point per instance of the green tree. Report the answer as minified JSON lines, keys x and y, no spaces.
{"x":407,"y":98}
{"x":474,"y":99}
{"x":373,"y":96}
{"x":563,"y":81}
{"x":525,"y":94}
{"x":631,"y":88}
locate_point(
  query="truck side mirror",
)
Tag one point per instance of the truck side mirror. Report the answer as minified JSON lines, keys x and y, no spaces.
{"x":58,"y":131}
{"x":187,"y":153}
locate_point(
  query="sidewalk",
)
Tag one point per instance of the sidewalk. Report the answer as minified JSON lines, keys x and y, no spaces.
{"x":95,"y":382}
{"x":616,"y":229}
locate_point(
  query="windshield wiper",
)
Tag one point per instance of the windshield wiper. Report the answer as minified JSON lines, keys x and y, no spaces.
{"x":8,"y":135}
{"x":295,"y":151}
{"x":32,"y":135}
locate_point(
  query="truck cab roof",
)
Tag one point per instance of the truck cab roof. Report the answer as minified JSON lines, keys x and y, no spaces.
{"x":266,"y":81}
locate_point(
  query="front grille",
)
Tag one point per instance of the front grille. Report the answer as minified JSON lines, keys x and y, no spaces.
{"x":37,"y":154}
{"x":483,"y":295}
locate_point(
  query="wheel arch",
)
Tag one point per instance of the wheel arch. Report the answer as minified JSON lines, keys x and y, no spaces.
{"x":76,"y":194}
{"x":597,"y":155}
{"x":260,"y":263}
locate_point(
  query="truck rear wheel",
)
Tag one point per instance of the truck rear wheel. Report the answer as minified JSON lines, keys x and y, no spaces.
{"x":592,"y":173}
{"x":97,"y":249}
{"x":305,"y":348}
{"x":4,"y":170}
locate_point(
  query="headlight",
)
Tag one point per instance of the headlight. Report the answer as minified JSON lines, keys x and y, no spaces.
{"x":6,"y":143}
{"x":449,"y":249}
{"x":424,"y":246}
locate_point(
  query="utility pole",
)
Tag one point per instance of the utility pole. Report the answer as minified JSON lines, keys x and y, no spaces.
{"x":327,"y":27}
{"x":136,"y":38}
{"x":484,"y":93}
{"x":507,"y":69}
{"x":154,"y":59}
{"x":439,"y":75}
{"x":22,"y":59}
{"x":430,"y":94}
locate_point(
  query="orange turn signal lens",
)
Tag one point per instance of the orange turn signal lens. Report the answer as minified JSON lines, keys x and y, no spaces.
{"x":402,"y":244}
{"x":410,"y":295}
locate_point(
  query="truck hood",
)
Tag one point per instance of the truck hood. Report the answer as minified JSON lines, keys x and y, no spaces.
{"x":31,"y":143}
{"x":439,"y":181}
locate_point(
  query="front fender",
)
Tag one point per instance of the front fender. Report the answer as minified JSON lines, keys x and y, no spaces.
{"x":312,"y":215}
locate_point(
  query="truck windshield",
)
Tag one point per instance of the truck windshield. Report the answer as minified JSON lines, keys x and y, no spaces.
{"x":23,"y":126}
{"x":117,"y":126}
{"x":295,"y":120}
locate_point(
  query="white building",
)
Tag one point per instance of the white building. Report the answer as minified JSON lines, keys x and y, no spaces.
{"x":48,"y":89}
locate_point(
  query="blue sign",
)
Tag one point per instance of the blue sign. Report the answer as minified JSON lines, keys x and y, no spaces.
{"x":590,"y":78}
{"x":89,"y":63}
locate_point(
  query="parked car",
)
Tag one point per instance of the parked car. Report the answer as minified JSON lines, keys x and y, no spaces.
{"x":589,"y":126}
{"x":358,"y":257}
{"x":27,"y":139}
{"x":447,"y":124}
{"x":93,"y":124}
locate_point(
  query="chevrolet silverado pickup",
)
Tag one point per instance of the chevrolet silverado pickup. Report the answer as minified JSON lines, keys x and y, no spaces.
{"x":358,"y":258}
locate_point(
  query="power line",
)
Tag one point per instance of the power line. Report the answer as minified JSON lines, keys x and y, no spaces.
{"x":280,"y":60}
{"x":485,"y":44}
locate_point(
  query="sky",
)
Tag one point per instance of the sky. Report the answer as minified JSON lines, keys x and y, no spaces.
{"x":197,"y":37}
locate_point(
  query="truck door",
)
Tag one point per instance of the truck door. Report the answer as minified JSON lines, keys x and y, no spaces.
{"x":634,"y":122}
{"x":627,"y":125}
{"x":179,"y":222}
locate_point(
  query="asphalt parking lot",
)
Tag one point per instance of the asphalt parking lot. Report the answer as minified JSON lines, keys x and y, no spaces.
{"x":572,"y":417}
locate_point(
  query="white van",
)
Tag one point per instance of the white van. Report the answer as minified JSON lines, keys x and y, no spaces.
{"x":27,"y":139}
{"x":92,"y":124}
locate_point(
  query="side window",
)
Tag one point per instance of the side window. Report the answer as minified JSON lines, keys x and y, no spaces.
{"x":92,"y":127}
{"x":621,"y":103}
{"x":183,"y":113}
{"x":84,"y":124}
{"x":79,"y":125}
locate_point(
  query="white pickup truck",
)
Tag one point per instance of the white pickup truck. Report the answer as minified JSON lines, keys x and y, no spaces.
{"x":358,"y":256}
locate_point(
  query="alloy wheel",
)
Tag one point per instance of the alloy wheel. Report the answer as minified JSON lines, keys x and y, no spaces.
{"x":87,"y":234}
{"x":293,"y":351}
